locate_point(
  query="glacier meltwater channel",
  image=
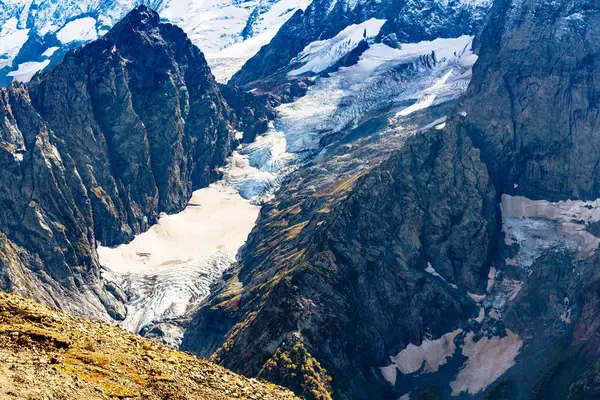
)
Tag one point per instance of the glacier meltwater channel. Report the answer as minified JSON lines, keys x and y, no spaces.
{"x":167,"y":271}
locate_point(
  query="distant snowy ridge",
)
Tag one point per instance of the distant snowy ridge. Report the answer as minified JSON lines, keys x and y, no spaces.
{"x":331,"y":34}
{"x":29,"y":28}
{"x":322,"y":54}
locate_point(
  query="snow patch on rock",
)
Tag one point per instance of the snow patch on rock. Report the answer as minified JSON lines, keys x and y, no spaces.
{"x":488,"y":360}
{"x":50,"y":51}
{"x":79,"y":30}
{"x":27,"y":70}
{"x":491,"y":279}
{"x":430,"y":355}
{"x":477,"y":298}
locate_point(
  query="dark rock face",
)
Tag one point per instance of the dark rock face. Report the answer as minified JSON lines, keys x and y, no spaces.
{"x":417,"y":20}
{"x":47,"y":241}
{"x":96,"y":147}
{"x":532,"y":104}
{"x":353,"y":283}
{"x":143,"y":118}
{"x":531,"y":110}
{"x":408,"y":21}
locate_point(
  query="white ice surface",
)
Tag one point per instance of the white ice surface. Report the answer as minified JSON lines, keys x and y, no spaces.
{"x":427,"y":98}
{"x":27,"y":70}
{"x":379,"y":79}
{"x":216,"y":27}
{"x":80,"y":30}
{"x":11,"y":40}
{"x":322,"y":54}
{"x":172,"y":265}
{"x":226,"y":62}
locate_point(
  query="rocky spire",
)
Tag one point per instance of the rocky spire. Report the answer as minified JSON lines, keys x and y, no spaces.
{"x":119,"y":131}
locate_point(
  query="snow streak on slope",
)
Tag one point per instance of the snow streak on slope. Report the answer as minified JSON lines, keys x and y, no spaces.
{"x":383,"y":77}
{"x":226,"y":62}
{"x":213,"y":25}
{"x":320,"y":55}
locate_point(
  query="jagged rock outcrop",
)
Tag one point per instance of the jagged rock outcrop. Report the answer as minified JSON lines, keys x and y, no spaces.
{"x":96,"y":147}
{"x":407,"y":21}
{"x":49,"y":354}
{"x":143,"y":102}
{"x":532,"y":105}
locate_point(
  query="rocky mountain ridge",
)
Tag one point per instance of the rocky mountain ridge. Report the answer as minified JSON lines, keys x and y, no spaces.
{"x":36,"y":34}
{"x":96,"y":147}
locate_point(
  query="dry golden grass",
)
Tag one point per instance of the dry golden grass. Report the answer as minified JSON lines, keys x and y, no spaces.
{"x":47,"y":354}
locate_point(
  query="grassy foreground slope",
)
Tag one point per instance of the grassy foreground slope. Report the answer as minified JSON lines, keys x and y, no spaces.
{"x":48,"y":354}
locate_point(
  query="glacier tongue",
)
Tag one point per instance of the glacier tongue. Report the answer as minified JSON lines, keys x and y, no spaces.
{"x":170,"y":267}
{"x":168,"y":270}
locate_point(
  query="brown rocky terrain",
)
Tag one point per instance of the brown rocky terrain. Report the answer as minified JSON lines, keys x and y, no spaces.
{"x":48,"y":354}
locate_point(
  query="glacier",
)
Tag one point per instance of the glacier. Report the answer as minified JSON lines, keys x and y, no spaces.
{"x":167,"y":271}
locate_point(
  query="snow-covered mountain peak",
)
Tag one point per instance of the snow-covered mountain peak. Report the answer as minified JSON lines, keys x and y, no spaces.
{"x":30,"y":28}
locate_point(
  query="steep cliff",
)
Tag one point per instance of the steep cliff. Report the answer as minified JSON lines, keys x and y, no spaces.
{"x":533,"y":99}
{"x":96,"y":147}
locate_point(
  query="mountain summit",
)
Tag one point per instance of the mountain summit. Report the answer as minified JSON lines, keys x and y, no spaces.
{"x":94,"y":149}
